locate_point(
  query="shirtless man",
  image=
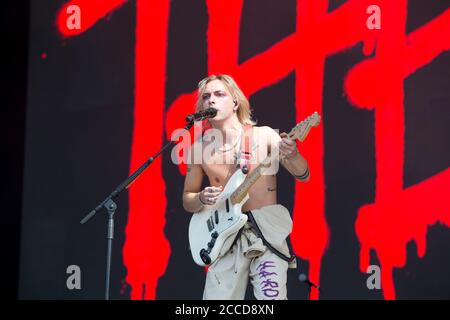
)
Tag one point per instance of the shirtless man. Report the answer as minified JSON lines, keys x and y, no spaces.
{"x":249,"y":258}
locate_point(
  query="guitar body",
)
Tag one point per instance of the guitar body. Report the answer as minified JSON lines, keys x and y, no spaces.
{"x":212,"y":230}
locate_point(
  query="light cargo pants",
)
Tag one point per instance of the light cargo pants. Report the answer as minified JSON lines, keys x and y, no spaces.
{"x":249,"y":259}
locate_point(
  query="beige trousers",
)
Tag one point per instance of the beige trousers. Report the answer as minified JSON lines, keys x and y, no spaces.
{"x":249,"y":259}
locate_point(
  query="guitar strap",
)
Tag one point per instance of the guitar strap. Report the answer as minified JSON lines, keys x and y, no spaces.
{"x":246,"y":155}
{"x":258,"y":231}
{"x":244,"y":161}
{"x":246,"y":149}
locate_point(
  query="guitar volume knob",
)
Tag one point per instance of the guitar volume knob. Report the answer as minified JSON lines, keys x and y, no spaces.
{"x":205,"y":257}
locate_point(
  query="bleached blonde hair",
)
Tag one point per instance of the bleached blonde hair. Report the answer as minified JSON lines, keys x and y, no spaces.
{"x":244,"y":112}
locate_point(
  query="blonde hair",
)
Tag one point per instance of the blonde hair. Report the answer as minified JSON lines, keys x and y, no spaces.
{"x":244,"y":113}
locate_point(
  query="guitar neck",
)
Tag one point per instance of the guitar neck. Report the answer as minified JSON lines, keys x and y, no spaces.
{"x":248,"y":182}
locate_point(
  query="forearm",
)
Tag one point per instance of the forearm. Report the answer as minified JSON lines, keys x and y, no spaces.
{"x":297,"y":166}
{"x":191,"y":202}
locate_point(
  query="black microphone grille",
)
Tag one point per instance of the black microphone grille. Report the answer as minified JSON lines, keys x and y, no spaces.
{"x":211,"y":111}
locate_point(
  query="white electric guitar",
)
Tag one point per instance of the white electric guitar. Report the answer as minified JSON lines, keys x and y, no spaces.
{"x":212,"y":231}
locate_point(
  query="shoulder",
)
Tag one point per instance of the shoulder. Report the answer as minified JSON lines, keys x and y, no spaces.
{"x":262,"y":129}
{"x":267,"y":132}
{"x":195,"y":150}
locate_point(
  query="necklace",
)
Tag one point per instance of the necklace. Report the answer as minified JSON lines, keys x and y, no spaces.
{"x":235,"y":143}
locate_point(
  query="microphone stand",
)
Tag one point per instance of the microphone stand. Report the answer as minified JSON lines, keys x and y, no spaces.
{"x":315,"y":286}
{"x":310,"y":284}
{"x":111,"y":206}
{"x":309,"y":291}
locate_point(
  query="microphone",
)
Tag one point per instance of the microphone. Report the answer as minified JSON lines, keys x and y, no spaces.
{"x":303,"y":278}
{"x":201,"y":115}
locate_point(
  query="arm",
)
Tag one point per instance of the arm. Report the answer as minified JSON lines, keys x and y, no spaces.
{"x":194,"y":198}
{"x":290,"y":158}
{"x":192,"y":186}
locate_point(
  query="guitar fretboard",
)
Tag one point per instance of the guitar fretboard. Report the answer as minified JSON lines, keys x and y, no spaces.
{"x":248,"y":182}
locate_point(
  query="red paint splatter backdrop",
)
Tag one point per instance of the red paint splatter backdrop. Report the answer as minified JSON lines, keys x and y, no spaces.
{"x":398,"y":214}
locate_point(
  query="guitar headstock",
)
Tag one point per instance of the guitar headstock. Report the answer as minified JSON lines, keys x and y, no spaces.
{"x":301,"y":130}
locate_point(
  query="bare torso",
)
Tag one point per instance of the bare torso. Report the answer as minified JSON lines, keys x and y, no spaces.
{"x":263,"y":192}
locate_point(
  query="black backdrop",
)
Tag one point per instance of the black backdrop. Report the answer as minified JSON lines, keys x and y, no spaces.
{"x":79,"y":122}
{"x":14,"y":31}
